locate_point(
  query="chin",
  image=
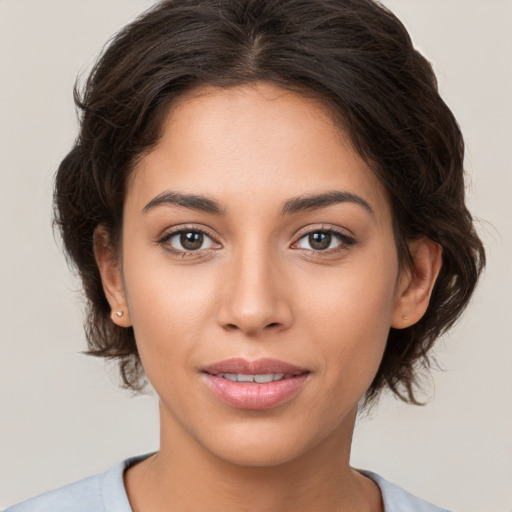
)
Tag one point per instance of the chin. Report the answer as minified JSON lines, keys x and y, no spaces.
{"x":257,"y":454}
{"x":249,"y":445}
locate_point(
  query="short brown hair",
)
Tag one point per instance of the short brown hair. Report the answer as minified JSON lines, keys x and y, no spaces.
{"x":357,"y":57}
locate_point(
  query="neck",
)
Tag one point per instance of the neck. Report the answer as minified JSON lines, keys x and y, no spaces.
{"x":185,"y":476}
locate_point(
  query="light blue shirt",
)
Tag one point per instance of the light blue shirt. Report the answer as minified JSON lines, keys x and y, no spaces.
{"x":105,"y":492}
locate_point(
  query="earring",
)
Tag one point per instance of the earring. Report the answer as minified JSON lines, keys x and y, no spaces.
{"x":120,"y":313}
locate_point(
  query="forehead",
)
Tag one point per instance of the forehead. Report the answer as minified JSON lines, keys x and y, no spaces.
{"x":268,"y":142}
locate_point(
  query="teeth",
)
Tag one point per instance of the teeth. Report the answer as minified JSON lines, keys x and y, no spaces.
{"x":269,"y":377}
{"x":260,"y":378}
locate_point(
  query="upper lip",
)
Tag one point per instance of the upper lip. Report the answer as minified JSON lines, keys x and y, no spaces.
{"x":256,"y":367}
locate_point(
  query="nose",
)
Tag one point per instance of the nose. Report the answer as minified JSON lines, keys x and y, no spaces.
{"x":254,"y":295}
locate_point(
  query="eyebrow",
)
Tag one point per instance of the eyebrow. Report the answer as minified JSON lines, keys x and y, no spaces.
{"x":317,"y":201}
{"x":307,"y":202}
{"x":191,"y":201}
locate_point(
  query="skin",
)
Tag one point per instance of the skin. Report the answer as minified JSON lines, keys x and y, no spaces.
{"x":256,"y":288}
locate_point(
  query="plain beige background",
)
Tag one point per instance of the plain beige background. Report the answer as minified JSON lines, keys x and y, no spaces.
{"x":62,"y":416}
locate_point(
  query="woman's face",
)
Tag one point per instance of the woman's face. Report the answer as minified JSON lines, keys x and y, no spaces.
{"x":257,"y":242}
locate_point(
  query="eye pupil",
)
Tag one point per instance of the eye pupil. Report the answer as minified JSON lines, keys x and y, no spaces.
{"x":191,"y":240}
{"x":320,"y":241}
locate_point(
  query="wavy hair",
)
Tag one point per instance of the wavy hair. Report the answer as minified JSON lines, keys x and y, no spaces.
{"x":354,"y":55}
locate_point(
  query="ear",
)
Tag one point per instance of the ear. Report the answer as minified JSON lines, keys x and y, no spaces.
{"x":416,"y":282}
{"x":109,"y":266}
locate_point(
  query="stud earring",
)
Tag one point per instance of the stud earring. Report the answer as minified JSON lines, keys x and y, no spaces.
{"x":120,"y":313}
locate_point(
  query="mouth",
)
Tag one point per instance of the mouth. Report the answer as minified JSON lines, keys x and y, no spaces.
{"x":260,"y":378}
{"x":264,"y":366}
{"x":260,"y":384}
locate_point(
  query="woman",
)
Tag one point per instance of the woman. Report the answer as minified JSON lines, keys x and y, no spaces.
{"x":266,"y":207}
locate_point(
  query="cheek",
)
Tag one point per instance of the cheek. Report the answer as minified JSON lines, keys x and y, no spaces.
{"x":358,"y":296}
{"x":169,"y":307}
{"x":349,"y":320}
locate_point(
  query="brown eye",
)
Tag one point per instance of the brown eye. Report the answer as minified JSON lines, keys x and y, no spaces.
{"x":187,"y":240}
{"x":191,"y":240}
{"x":327,"y":240}
{"x":319,"y":240}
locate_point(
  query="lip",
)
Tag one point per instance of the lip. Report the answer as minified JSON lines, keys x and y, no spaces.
{"x":266,"y":365}
{"x":252,"y":395}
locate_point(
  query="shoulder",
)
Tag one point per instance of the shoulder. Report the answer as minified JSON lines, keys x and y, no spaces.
{"x":397,"y":499}
{"x":78,"y":496}
{"x":103,"y":492}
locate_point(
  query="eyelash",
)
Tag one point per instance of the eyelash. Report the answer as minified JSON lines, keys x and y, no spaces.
{"x":164,"y":241}
{"x":345,"y":241}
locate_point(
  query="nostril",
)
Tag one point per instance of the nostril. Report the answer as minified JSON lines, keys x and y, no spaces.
{"x":234,"y":327}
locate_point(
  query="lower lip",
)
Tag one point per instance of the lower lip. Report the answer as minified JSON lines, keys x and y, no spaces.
{"x":252,"y":395}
